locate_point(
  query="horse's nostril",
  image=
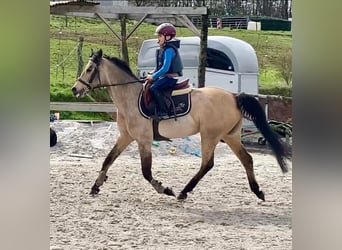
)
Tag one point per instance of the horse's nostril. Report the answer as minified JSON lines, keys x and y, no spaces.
{"x":74,"y":90}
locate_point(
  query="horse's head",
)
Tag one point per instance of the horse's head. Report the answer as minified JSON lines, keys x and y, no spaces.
{"x":90,"y":77}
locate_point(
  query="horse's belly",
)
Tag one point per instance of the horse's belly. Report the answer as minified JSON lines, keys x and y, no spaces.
{"x":184,"y":126}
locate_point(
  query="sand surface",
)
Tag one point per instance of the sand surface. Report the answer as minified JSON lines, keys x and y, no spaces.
{"x":221,"y":212}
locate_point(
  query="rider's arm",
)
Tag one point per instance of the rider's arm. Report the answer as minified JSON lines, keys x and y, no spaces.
{"x":168,"y":56}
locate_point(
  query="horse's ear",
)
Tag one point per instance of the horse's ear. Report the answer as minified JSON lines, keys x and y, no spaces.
{"x":100,"y":53}
{"x":91,"y":52}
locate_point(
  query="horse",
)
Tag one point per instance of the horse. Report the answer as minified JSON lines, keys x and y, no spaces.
{"x":215,"y":113}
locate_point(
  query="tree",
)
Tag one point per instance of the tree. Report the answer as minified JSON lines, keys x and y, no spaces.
{"x":272,"y":8}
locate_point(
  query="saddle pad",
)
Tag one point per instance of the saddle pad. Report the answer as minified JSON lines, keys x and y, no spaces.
{"x":181,"y":91}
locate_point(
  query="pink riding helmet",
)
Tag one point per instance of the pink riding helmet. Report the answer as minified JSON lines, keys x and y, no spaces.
{"x":166,"y":29}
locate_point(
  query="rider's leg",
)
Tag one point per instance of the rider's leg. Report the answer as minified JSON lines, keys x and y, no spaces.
{"x":156,"y":89}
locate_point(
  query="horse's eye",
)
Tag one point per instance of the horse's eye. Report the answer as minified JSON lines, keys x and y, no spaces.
{"x":88,"y":70}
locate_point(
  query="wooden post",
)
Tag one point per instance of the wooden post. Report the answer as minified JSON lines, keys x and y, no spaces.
{"x":108,"y":25}
{"x":79,"y":56}
{"x":124,"y":49}
{"x":203,"y":52}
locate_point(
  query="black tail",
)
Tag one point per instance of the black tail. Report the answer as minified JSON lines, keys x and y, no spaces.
{"x":252,"y":110}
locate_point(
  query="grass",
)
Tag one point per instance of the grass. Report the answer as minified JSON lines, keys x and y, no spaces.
{"x":270,"y":78}
{"x":270,"y":46}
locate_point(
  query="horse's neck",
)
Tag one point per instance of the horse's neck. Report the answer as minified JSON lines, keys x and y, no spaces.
{"x":126,"y":93}
{"x":125,"y":97}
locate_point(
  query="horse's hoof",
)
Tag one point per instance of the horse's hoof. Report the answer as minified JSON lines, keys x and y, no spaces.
{"x":261,"y":195}
{"x":169,"y":191}
{"x":94,"y":190}
{"x":182,"y":196}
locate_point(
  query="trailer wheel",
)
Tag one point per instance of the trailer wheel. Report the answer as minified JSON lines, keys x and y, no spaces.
{"x":262,"y":141}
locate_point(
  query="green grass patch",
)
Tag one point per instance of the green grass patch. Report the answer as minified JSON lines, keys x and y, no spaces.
{"x":269,"y":77}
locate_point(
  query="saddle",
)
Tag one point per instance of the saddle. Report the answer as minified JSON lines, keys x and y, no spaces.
{"x":177,"y":100}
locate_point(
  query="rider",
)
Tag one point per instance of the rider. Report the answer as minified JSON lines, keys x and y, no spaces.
{"x":168,"y":66}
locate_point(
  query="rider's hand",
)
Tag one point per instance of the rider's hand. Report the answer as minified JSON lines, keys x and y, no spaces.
{"x":149,"y":78}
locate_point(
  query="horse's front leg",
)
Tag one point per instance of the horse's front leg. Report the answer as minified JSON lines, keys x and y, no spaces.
{"x":146,"y":165}
{"x":123,"y":141}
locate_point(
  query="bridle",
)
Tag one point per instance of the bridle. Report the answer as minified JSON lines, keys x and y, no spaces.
{"x":97,"y":73}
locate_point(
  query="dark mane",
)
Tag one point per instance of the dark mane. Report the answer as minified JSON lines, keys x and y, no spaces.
{"x":121,"y":64}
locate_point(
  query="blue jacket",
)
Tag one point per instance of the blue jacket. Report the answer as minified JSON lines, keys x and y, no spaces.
{"x":168,"y":60}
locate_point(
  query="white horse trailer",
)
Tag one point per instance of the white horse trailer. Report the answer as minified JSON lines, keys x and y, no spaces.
{"x":231,"y":64}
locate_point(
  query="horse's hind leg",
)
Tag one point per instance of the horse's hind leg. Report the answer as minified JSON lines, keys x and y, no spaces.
{"x":207,"y":164}
{"x":146,"y":165}
{"x":246,"y":159}
{"x":123,"y":141}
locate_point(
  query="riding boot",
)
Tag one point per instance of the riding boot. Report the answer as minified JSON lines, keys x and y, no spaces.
{"x":161,"y":107}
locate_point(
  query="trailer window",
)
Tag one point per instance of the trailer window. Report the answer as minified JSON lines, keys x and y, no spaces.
{"x":218,"y":60}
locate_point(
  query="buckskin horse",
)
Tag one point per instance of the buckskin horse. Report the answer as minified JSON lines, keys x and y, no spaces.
{"x":215,"y":113}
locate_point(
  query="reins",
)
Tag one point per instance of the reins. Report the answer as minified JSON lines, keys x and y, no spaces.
{"x":122,"y":83}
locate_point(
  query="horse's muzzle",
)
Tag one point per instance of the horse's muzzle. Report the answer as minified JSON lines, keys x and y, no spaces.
{"x":78,"y":93}
{"x":74,"y":90}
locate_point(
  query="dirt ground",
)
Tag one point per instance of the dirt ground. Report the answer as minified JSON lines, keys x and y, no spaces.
{"x":221,"y":212}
